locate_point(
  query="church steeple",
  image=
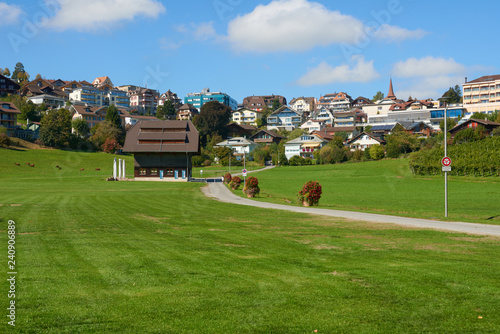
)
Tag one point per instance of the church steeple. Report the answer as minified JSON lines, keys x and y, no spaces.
{"x":391,"y":94}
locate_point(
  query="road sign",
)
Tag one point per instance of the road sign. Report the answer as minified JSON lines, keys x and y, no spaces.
{"x":244,"y":171}
{"x":446,"y":162}
{"x":446,"y":168}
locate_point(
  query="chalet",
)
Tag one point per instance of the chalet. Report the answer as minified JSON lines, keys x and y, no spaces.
{"x":266,"y":137}
{"x":473,"y":124}
{"x":8,"y":116}
{"x":258,"y":103}
{"x":363,"y":141}
{"x":187,"y":112}
{"x":162,"y":149}
{"x":7,"y":86}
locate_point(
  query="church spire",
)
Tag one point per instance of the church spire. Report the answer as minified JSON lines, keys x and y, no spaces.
{"x":391,"y":94}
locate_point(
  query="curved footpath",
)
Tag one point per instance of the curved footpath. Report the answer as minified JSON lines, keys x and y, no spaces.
{"x":219,"y":191}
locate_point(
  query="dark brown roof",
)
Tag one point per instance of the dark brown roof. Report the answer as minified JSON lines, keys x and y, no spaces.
{"x":365,"y":134}
{"x":167,"y":133}
{"x":485,"y":79}
{"x":12,"y":109}
{"x":340,"y":129}
{"x":487,"y":124}
{"x":271,"y":133}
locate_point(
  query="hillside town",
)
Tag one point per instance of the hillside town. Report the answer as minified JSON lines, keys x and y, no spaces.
{"x":302,"y":125}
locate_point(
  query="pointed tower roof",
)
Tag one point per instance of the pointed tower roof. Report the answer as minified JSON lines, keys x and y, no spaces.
{"x":391,"y":94}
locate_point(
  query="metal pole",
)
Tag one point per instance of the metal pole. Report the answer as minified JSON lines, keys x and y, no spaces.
{"x":446,"y":154}
{"x":230,"y":156}
{"x":244,"y":163}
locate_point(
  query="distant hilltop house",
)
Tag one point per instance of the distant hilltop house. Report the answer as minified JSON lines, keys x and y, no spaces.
{"x":7,"y":86}
{"x":246,"y":116}
{"x":162,"y":149}
{"x":259,"y":102}
{"x":284,"y":119}
{"x":305,"y":105}
{"x":8,"y":116}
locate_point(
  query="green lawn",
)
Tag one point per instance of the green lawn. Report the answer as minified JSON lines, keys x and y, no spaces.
{"x":144,"y":257}
{"x":386,"y":187}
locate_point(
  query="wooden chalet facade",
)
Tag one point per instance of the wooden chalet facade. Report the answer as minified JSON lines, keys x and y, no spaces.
{"x":162,"y":149}
{"x":473,"y":124}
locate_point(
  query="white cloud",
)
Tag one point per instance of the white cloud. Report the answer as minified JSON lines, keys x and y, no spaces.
{"x":299,"y":25}
{"x":91,"y":15}
{"x":428,"y":66}
{"x":397,"y":34}
{"x":427,"y":87}
{"x":166,"y":44}
{"x":204,"y":31}
{"x":323,"y":74}
{"x":9,"y":14}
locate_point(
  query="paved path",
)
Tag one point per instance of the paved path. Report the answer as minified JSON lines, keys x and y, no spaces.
{"x":220,"y":192}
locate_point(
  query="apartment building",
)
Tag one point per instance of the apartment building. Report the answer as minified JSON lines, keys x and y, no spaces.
{"x":482,"y":94}
{"x":199,"y":99}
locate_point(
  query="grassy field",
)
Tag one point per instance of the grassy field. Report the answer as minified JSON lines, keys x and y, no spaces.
{"x":141,"y":257}
{"x":386,"y":187}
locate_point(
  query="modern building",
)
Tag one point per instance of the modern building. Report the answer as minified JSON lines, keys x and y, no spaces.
{"x":8,"y":116}
{"x":7,"y":86}
{"x":354,"y":117}
{"x":258,"y":102}
{"x":199,"y":99}
{"x":304,"y":146}
{"x":51,"y":101}
{"x":245,"y":116}
{"x":312,"y":125}
{"x":482,"y":95}
{"x":335,"y":102}
{"x":284,"y":119}
{"x":162,"y":149}
{"x":324,"y":115}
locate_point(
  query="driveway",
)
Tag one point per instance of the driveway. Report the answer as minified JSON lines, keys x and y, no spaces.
{"x":220,"y":192}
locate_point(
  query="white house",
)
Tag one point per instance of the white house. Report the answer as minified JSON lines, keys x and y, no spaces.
{"x":284,"y":118}
{"x":313,"y":125}
{"x":324,"y":115}
{"x":245,"y":116}
{"x":364,"y":141}
{"x":239,"y":145}
{"x":304,"y":146}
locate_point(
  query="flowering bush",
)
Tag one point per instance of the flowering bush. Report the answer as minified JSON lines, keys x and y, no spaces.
{"x":227,"y":178}
{"x":251,"y":187}
{"x":235,"y":183}
{"x":310,"y":193}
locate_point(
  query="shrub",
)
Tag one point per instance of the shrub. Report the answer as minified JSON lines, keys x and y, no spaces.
{"x":207,"y":163}
{"x":299,"y":161}
{"x":235,"y":183}
{"x":377,"y":152}
{"x":227,"y":178}
{"x":251,"y":187}
{"x":197,"y":160}
{"x":110,"y":145}
{"x":357,"y":155}
{"x":4,"y":139}
{"x":310,"y":193}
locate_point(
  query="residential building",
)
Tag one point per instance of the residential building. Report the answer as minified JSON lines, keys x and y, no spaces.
{"x":87,"y":95}
{"x":304,"y":105}
{"x":240,"y":130}
{"x":284,"y":119}
{"x":7,"y":86}
{"x":187,"y":112}
{"x":95,"y":115}
{"x":482,"y":95}
{"x":42,"y":87}
{"x":360,"y":102}
{"x":240,"y":146}
{"x":102,"y":81}
{"x":364,"y":141}
{"x":8,"y":116}
{"x":169,"y":96}
{"x":144,"y":100}
{"x":199,"y":99}
{"x":304,"y":146}
{"x":32,"y":131}
{"x":335,"y":102}
{"x":245,"y":116}
{"x":132,"y":119}
{"x":267,"y":137}
{"x":489,"y":126}
{"x":324,"y":115}
{"x":354,"y":117}
{"x":351,"y":131}
{"x":162,"y":149}
{"x":258,"y":102}
{"x":51,"y":101}
{"x":312,"y":125}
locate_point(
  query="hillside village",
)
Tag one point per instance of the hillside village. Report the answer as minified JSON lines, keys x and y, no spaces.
{"x":298,"y":128}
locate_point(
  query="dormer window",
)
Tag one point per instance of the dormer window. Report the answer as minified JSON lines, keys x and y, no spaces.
{"x":5,"y":106}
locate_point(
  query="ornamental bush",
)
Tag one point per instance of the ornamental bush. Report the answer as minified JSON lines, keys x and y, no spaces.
{"x":310,"y":193}
{"x":251,"y":186}
{"x":227,"y":178}
{"x":235,"y":183}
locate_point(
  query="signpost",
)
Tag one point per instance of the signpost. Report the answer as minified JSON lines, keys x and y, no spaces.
{"x":446,"y":161}
{"x":244,"y":171}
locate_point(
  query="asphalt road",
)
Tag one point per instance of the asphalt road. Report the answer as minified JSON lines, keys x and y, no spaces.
{"x":220,"y":192}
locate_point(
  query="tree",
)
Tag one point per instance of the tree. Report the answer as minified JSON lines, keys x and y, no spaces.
{"x":19,"y":69}
{"x":212,"y":120}
{"x":276,"y":105}
{"x":454,"y":95}
{"x":56,"y":128}
{"x":378,"y":96}
{"x":28,"y":111}
{"x":166,"y":111}
{"x":81,"y":127}
{"x":296,"y":133}
{"x":401,"y":142}
{"x":38,"y":76}
{"x":266,"y":111}
{"x":106,"y":130}
{"x":6,"y":72}
{"x":450,"y":124}
{"x":113,"y":116}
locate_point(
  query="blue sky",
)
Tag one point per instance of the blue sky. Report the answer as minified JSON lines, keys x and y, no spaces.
{"x":243,"y":47}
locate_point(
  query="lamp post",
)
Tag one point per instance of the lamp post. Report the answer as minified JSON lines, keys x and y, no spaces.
{"x":445,"y":99}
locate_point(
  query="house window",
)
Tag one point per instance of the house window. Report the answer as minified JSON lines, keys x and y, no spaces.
{"x":154,"y":171}
{"x":170,"y":171}
{"x":142,"y":171}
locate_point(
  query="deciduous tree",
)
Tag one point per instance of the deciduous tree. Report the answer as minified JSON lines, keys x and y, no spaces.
{"x":212,"y":120}
{"x":56,"y":128}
